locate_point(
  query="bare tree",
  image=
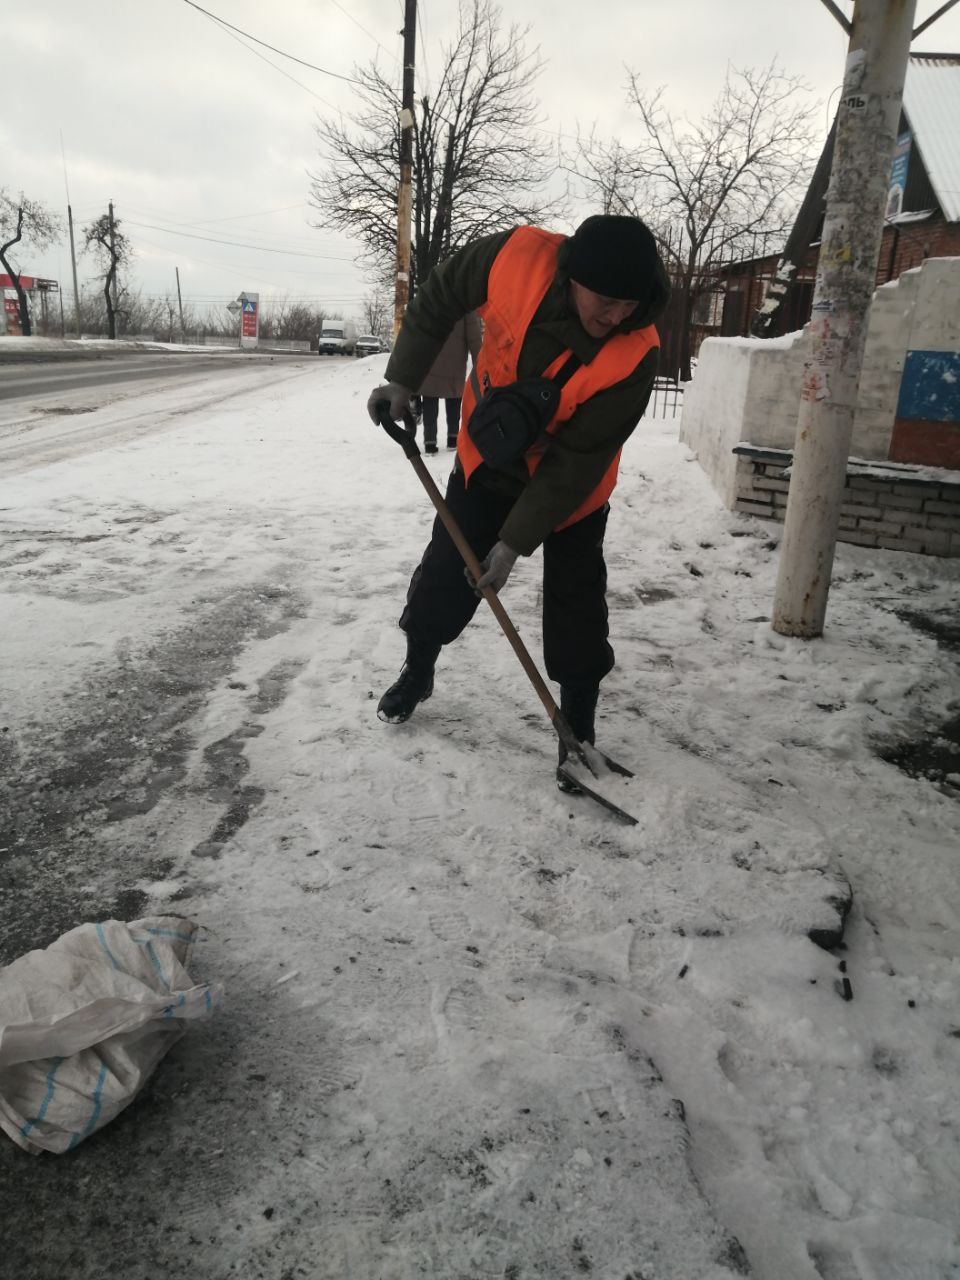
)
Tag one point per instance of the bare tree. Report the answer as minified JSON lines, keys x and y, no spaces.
{"x":708,"y":190}
{"x":478,"y":164}
{"x":376,"y":314}
{"x":113,"y":251}
{"x":28,"y":222}
{"x":288,"y":321}
{"x":168,"y":312}
{"x":298,"y":322}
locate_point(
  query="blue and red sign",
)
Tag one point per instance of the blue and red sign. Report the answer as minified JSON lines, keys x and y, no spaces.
{"x":249,"y":329}
{"x":927,"y":426}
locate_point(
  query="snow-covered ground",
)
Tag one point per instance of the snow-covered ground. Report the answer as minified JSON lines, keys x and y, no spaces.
{"x":11,"y":348}
{"x":473,"y":1027}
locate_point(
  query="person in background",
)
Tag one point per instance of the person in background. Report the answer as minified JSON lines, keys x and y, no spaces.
{"x":445,"y":381}
{"x":577,"y":310}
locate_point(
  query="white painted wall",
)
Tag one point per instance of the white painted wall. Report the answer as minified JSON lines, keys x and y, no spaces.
{"x":713,"y":407}
{"x":748,"y":389}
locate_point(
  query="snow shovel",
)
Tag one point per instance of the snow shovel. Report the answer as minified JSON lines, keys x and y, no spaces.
{"x":592,"y":759}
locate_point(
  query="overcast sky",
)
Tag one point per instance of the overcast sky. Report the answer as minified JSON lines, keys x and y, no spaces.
{"x":193,"y":134}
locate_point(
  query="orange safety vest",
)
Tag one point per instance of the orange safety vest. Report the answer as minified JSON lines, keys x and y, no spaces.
{"x":521,"y":274}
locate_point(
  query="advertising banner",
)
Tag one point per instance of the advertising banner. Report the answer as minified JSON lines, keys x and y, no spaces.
{"x":898,"y":176}
{"x":11,"y":311}
{"x":249,"y":319}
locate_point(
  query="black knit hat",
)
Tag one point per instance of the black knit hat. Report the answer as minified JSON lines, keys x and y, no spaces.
{"x":613,"y":255}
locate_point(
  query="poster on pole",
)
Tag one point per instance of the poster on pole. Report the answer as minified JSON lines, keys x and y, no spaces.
{"x":898,"y":176}
{"x":249,"y":319}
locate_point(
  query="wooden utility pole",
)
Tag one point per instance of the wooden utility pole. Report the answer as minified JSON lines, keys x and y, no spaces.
{"x":404,"y":199}
{"x":867,"y":120}
{"x":113,"y":283}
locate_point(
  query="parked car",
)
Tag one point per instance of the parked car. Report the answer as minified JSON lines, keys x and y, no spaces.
{"x":369,"y":344}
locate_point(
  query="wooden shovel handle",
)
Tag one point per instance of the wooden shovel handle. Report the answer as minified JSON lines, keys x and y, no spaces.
{"x":408,"y":443}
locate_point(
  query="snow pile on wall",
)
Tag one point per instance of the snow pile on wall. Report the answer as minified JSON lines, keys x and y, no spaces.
{"x":748,"y":389}
{"x":739,"y":393}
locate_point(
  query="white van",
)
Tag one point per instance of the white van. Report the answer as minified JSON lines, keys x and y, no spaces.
{"x":336,"y":339}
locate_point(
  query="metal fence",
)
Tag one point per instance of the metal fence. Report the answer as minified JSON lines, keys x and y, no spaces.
{"x":666,"y":399}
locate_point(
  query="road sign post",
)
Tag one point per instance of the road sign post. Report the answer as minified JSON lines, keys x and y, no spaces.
{"x":235,"y":308}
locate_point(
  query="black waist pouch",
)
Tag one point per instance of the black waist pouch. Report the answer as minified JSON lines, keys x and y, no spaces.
{"x":507,"y":421}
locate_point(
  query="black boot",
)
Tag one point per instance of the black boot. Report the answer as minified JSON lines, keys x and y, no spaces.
{"x":578,"y":706}
{"x":413,"y":685}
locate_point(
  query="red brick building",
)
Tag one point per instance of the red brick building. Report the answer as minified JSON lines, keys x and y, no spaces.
{"x":923,"y":208}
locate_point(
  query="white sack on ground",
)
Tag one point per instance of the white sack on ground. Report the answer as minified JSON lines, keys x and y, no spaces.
{"x":84,"y":1023}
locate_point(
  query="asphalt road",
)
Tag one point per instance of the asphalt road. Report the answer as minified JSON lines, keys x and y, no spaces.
{"x":30,"y":380}
{"x":56,"y":409}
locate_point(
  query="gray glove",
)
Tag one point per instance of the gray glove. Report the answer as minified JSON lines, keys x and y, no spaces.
{"x":396,"y":394}
{"x":497,"y":567}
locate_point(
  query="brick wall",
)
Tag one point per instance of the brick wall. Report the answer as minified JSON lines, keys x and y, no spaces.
{"x":910,"y":244}
{"x":900,"y":508}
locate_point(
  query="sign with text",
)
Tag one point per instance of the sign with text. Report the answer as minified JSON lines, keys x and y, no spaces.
{"x":11,"y":309}
{"x":249,"y":319}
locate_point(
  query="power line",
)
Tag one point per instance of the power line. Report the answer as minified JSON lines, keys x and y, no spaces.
{"x":339,"y":6}
{"x":273,"y":49}
{"x":237,"y":244}
{"x":310,"y":244}
{"x":233,"y":269}
{"x":235,"y":217}
{"x":202,"y":299}
{"x":257,"y":54}
{"x":335,"y":74}
{"x":423,"y":50}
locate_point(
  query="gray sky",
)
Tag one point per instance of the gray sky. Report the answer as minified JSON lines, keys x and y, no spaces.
{"x":194,"y":135}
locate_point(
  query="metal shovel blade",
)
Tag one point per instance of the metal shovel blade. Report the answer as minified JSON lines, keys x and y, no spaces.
{"x":595,"y":763}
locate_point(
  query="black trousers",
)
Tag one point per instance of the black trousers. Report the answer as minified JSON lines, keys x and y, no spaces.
{"x":431,"y":412}
{"x":440,"y":601}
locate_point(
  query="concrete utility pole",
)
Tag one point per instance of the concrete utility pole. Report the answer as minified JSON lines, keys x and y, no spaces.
{"x":867,"y":120}
{"x":73,"y":263}
{"x":404,"y":200}
{"x":73,"y":252}
{"x":774,"y":312}
{"x":179,"y":303}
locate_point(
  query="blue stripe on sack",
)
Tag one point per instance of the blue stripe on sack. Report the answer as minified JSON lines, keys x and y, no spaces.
{"x":103,"y":943}
{"x":168,"y":1011}
{"x":208,"y":1002}
{"x":170,"y":933}
{"x":95,"y":1113}
{"x":148,"y":947}
{"x":48,"y":1097}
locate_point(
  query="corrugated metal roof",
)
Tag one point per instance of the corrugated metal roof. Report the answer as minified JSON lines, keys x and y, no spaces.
{"x":931,"y":100}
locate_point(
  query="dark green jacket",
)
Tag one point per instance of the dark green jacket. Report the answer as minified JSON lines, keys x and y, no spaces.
{"x":583,"y":449}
